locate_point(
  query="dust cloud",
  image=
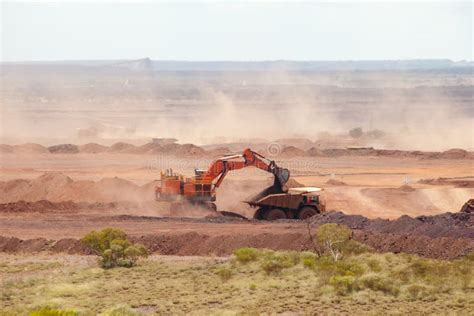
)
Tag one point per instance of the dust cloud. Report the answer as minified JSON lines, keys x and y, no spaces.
{"x":414,"y":110}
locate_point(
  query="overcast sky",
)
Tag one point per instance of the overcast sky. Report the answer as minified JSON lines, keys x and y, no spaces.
{"x":227,"y":30}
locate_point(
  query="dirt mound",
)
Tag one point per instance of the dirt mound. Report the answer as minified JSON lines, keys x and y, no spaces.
{"x":92,"y":148}
{"x":406,"y":188}
{"x":457,"y":182}
{"x":57,"y":187}
{"x":197,"y":244}
{"x":45,"y":206}
{"x":150,"y":186}
{"x":30,"y":148}
{"x":315,"y":152}
{"x":454,"y":153}
{"x":292,"y":183}
{"x":150,"y":148}
{"x":184,"y":150}
{"x":292,"y":151}
{"x":38,"y":206}
{"x":45,"y":187}
{"x":121,"y":147}
{"x":459,"y":225}
{"x":335,"y":182}
{"x":6,"y":149}
{"x":64,"y":149}
{"x":66,"y":245}
{"x":439,"y":248}
{"x":355,"y":151}
{"x":468,"y":207}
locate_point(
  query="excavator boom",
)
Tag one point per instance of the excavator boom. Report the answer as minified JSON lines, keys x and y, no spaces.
{"x":219,"y":168}
{"x":201,"y":189}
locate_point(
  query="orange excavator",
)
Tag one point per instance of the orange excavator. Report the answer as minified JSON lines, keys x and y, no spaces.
{"x":273,"y":203}
{"x":201,"y":189}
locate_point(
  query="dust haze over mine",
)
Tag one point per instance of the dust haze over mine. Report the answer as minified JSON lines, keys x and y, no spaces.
{"x":409,"y":105}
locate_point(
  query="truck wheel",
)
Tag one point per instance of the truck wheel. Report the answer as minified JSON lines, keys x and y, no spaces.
{"x":274,"y":214}
{"x":306,"y":212}
{"x":259,"y":214}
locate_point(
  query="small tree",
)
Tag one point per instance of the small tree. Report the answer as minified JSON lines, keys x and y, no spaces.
{"x":333,"y":238}
{"x":114,"y":248}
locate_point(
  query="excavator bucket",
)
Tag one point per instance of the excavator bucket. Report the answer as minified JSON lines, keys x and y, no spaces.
{"x":282,"y":175}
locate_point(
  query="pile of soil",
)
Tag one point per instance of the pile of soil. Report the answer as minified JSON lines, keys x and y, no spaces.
{"x":335,"y":182}
{"x":30,"y":148}
{"x":446,"y":236}
{"x":92,"y":148}
{"x":406,"y":188}
{"x":121,"y":147}
{"x":315,"y":152}
{"x":66,"y":245}
{"x":459,"y":183}
{"x":337,"y":152}
{"x":454,"y":153}
{"x":150,"y":148}
{"x":183,"y":150}
{"x":292,"y":183}
{"x":41,"y":206}
{"x":289,"y":150}
{"x":458,"y":225}
{"x":64,"y":149}
{"x":45,"y":206}
{"x":6,"y":149}
{"x":292,"y":151}
{"x":57,"y":187}
{"x":197,"y":244}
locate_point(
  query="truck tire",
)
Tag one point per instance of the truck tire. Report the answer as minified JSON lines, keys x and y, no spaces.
{"x":306,"y":212}
{"x":274,"y":214}
{"x":259,"y":214}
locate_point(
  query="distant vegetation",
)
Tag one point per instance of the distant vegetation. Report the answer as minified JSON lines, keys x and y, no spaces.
{"x":358,"y":132}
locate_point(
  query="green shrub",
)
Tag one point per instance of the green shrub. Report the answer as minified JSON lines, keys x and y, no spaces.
{"x":100,"y":241}
{"x":245,"y":255}
{"x":333,"y":239}
{"x":375,"y":282}
{"x":50,"y":311}
{"x":352,"y":247}
{"x":253,"y":287}
{"x":348,"y":267}
{"x":342,"y":284}
{"x":374,"y":265}
{"x":114,"y":248}
{"x":224,"y":273}
{"x":290,"y":258}
{"x":273,"y":266}
{"x":309,"y":263}
{"x":402,"y":274}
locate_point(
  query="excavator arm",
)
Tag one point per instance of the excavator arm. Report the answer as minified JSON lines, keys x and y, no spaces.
{"x":219,"y":168}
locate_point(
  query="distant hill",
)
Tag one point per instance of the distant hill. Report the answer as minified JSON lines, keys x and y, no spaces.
{"x":146,"y":64}
{"x":286,"y":65}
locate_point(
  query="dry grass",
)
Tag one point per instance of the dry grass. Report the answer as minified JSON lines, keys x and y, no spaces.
{"x":362,"y":284}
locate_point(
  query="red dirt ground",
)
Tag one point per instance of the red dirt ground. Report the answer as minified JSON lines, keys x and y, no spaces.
{"x":57,"y":227}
